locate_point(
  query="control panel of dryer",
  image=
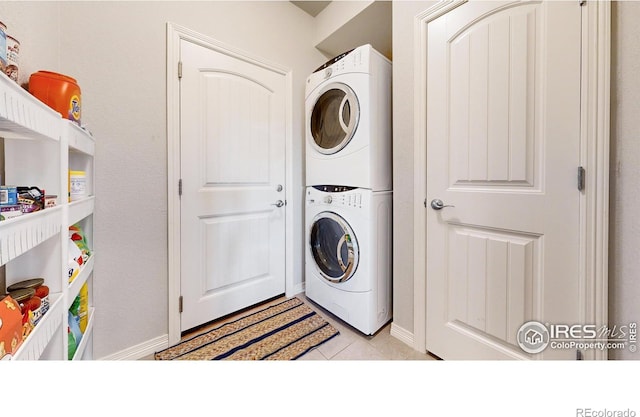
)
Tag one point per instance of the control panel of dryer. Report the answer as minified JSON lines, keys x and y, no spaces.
{"x":356,"y":60}
{"x":349,"y":60}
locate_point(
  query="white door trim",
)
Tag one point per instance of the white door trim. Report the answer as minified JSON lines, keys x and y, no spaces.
{"x":594,"y":212}
{"x":175,"y":34}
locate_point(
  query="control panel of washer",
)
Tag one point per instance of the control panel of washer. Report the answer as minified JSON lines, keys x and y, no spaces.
{"x":335,"y":195}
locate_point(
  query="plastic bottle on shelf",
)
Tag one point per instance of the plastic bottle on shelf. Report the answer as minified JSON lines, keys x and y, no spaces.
{"x":3,"y":47}
{"x":83,"y":310}
{"x":72,"y":343}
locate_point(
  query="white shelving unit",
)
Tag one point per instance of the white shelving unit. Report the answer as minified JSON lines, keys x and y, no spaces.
{"x":40,"y":148}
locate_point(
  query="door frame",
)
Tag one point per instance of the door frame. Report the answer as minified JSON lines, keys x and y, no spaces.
{"x":175,"y":34}
{"x":594,"y":156}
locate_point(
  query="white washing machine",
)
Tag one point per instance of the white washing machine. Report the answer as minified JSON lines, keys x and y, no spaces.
{"x":348,"y":254}
{"x":348,"y":121}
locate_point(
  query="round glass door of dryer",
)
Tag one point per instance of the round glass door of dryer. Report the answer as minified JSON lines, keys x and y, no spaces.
{"x":334,"y":118}
{"x":334,"y":247}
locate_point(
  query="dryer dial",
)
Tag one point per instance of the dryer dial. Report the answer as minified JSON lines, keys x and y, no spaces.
{"x":328,"y":199}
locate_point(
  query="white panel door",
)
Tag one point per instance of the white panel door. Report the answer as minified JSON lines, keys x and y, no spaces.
{"x":233,"y":171}
{"x":503,"y":130}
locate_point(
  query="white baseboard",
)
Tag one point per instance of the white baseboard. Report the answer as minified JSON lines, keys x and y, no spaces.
{"x":141,"y":350}
{"x":402,"y":335}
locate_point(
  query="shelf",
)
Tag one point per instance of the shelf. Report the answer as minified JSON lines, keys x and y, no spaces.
{"x":43,"y":333}
{"x":78,"y":282}
{"x":53,"y":145}
{"x":81,"y":209}
{"x":86,"y":337}
{"x":22,"y":116}
{"x":23,"y":233}
{"x":80,"y":140}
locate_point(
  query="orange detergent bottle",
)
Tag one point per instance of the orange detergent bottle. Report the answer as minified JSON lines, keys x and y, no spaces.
{"x":58,"y":91}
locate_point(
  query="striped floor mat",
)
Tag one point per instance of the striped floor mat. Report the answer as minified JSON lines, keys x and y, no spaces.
{"x":283,"y":331}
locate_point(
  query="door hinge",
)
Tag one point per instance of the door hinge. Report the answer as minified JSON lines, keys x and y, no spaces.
{"x":180,"y":304}
{"x":425,"y":203}
{"x":180,"y":187}
{"x":578,"y":355}
{"x":179,"y":69}
{"x":582,"y":2}
{"x":581,"y":178}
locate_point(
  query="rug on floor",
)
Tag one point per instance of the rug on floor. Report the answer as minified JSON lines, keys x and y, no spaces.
{"x":284,"y":331}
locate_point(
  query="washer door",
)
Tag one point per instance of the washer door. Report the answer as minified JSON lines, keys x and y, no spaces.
{"x":334,"y":118}
{"x":334,"y":247}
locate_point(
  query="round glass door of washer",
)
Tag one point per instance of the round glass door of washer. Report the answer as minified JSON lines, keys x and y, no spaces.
{"x":334,"y":118}
{"x":334,"y":247}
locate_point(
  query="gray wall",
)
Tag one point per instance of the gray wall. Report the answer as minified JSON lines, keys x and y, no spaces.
{"x":624,"y":267}
{"x":37,"y":27}
{"x":624,"y":242}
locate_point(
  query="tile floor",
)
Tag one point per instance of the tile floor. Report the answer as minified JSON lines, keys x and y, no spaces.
{"x":353,"y":345}
{"x":350,"y":344}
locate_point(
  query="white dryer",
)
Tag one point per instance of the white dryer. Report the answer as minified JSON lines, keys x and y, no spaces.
{"x":348,"y":254}
{"x":348,"y":121}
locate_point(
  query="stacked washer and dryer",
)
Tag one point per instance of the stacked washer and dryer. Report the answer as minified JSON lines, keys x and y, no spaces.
{"x":348,"y":213}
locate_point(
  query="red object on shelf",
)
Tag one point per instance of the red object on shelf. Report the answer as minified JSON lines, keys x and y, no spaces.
{"x":10,"y":326}
{"x":58,"y":91}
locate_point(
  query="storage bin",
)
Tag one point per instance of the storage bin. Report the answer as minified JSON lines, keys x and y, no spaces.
{"x":77,"y":185}
{"x":58,"y":91}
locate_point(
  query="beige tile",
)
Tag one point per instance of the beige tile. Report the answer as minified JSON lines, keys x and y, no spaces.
{"x":359,"y":350}
{"x":313,"y":355}
{"x":334,"y":346}
{"x":388,"y":346}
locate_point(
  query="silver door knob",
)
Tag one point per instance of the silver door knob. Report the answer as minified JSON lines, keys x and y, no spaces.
{"x":437,"y":204}
{"x":278,"y":203}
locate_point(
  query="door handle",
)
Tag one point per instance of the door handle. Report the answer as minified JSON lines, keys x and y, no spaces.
{"x":344,"y":239}
{"x":344,"y":127}
{"x":437,"y":204}
{"x":278,"y":203}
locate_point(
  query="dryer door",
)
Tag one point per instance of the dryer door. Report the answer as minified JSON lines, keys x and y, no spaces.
{"x":334,"y":247}
{"x":334,"y":118}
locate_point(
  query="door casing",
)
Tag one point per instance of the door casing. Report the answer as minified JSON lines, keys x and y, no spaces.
{"x":594,"y":157}
{"x":175,"y":34}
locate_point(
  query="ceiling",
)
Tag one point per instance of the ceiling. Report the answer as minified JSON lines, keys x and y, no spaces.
{"x":312,"y":7}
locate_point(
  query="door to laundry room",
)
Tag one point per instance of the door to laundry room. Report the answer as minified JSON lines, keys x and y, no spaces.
{"x":232,"y":129}
{"x":505,"y":208}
